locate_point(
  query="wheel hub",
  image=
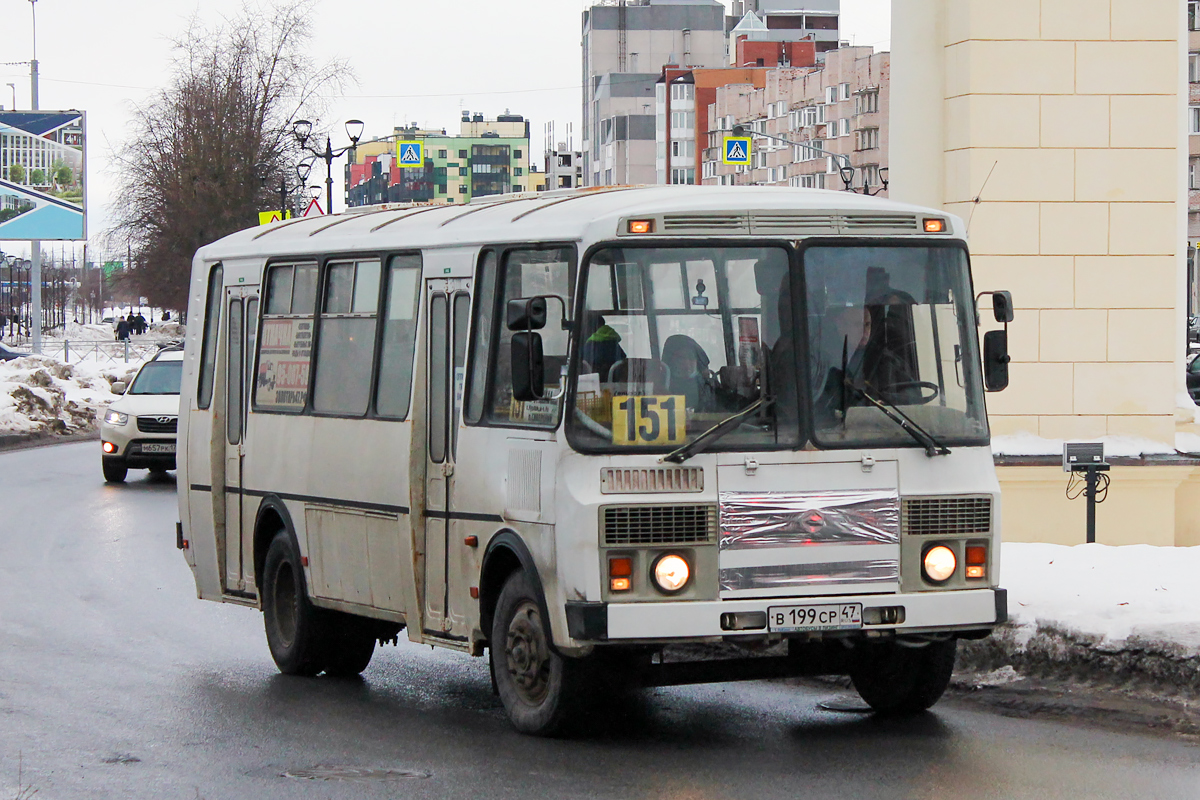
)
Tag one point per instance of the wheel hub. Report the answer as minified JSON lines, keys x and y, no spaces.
{"x":527,"y":654}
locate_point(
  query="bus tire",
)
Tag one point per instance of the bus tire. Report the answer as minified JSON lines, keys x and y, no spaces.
{"x":894,"y":679}
{"x":295,"y":629}
{"x":538,"y":687}
{"x":348,"y":646}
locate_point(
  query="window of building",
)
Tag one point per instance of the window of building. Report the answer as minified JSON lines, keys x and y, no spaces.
{"x":1194,"y":173}
{"x":441,"y":188}
{"x":441,"y":153}
{"x":462,"y":153}
{"x":346,"y":337}
{"x":683,"y":176}
{"x":843,"y":91}
{"x":464,"y":171}
{"x":870,"y":175}
{"x":462,"y":188}
{"x":830,"y":94}
{"x":1193,"y":119}
{"x":866,"y":102}
{"x":517,"y":154}
{"x":866,"y":139}
{"x":844,"y":127}
{"x":518,"y":171}
{"x":1193,"y":16}
{"x":682,"y":91}
{"x":1193,"y":67}
{"x":516,"y":187}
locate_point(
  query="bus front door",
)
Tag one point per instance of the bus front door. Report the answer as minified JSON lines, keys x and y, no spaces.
{"x":449,"y":304}
{"x":240,"y":329}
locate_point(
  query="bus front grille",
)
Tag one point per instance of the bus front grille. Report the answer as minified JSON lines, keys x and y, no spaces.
{"x":675,"y":524}
{"x":927,"y":516}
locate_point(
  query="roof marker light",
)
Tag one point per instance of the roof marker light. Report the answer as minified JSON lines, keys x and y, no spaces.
{"x":935,"y":226}
{"x":641,"y":226}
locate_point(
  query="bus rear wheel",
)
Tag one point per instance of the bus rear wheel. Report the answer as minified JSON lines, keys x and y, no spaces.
{"x":295,"y":630}
{"x":894,"y":679}
{"x":539,"y":688}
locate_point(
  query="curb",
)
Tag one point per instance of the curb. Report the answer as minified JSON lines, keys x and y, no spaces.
{"x":28,"y":441}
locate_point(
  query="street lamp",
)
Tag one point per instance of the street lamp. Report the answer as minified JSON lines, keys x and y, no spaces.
{"x":302,"y":129}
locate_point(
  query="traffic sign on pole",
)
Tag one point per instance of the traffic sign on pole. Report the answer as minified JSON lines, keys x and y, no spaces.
{"x":314,"y":209}
{"x":736,"y":151}
{"x":410,"y":154}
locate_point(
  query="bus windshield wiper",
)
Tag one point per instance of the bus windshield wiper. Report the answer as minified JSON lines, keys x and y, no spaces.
{"x":723,"y":427}
{"x":932,"y":446}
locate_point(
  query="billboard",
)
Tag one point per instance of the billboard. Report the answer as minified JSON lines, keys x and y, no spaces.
{"x":42,"y":168}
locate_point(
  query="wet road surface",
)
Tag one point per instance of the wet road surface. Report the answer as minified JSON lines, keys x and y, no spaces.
{"x":115,"y":682}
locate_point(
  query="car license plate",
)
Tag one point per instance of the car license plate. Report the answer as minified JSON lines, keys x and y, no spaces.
{"x":832,"y":617}
{"x":150,"y":447}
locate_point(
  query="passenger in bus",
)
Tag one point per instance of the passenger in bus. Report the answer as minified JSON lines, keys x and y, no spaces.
{"x":602,"y":347}
{"x":690,"y":375}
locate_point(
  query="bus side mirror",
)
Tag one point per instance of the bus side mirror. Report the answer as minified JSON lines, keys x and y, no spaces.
{"x":995,"y":360}
{"x":528,"y":366}
{"x":526,"y":314}
{"x":1002,"y":306}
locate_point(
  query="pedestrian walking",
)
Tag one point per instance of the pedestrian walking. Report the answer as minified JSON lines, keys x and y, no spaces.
{"x":122,"y":330}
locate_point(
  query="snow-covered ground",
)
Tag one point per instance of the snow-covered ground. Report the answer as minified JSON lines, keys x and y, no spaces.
{"x":1111,"y":594}
{"x":39,"y":394}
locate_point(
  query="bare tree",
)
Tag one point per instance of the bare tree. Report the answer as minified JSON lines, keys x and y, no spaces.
{"x":207,"y":152}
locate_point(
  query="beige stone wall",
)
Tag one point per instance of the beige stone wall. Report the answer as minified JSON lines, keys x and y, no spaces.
{"x":1064,"y":118}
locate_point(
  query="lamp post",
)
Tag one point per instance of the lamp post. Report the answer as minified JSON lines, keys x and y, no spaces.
{"x":302,"y":129}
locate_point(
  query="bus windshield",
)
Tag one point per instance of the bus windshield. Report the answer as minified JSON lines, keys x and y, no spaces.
{"x":891,"y":328}
{"x":677,"y":340}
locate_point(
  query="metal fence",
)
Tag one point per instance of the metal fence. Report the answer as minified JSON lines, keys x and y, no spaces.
{"x":104,"y":351}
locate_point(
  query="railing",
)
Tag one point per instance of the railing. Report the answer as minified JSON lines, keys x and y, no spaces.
{"x":101,"y":351}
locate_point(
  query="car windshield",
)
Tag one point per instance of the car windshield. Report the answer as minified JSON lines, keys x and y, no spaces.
{"x":158,"y":377}
{"x":896,"y":324}
{"x":675,"y":340}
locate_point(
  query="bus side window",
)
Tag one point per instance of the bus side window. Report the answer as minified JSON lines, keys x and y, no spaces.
{"x":394,"y":391}
{"x":346,"y":338}
{"x":285,"y":347}
{"x":208,"y":353}
{"x":528,"y":273}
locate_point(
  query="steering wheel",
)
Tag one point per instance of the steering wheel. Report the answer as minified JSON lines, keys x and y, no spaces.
{"x":902,"y":387}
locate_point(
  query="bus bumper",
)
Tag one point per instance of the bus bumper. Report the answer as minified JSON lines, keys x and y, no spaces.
{"x":969,"y":610}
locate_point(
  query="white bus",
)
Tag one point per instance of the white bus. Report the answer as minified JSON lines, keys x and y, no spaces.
{"x":631,"y":436}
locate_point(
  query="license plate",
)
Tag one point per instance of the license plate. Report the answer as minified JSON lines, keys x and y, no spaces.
{"x":831,"y":617}
{"x":149,"y":447}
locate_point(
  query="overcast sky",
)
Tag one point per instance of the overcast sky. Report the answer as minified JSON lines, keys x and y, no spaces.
{"x":416,"y":62}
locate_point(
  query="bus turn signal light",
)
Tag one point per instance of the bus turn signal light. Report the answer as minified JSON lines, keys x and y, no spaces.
{"x":974,"y":571}
{"x":976,"y":554}
{"x":641,"y":226}
{"x":935,"y":226}
{"x":620,"y":570}
{"x":618,"y":584}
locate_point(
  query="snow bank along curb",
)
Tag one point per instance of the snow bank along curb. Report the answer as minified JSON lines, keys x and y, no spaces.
{"x":24,"y":441}
{"x":43,"y":396}
{"x":1160,"y":667}
{"x":1124,"y":617}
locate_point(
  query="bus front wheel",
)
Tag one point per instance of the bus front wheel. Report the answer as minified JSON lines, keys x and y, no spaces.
{"x":539,"y":688}
{"x":894,"y":679}
{"x":294,"y":627}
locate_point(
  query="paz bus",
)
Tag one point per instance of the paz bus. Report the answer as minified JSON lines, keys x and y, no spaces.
{"x":617,"y":437}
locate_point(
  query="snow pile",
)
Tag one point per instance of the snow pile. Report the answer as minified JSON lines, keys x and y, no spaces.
{"x":1110,"y":595}
{"x":39,"y":394}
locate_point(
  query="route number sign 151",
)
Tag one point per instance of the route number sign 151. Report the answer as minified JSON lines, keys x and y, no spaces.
{"x":649,"y":420}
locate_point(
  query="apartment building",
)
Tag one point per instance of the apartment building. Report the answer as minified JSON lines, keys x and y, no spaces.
{"x":1193,"y":227}
{"x":488,"y":156}
{"x":625,"y":45}
{"x":782,"y":21}
{"x":835,"y":113}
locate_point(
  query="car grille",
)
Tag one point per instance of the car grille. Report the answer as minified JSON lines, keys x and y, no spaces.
{"x":926,"y":516}
{"x":157,"y":424}
{"x":679,"y":524}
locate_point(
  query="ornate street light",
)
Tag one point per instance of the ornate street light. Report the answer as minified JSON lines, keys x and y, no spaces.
{"x":302,"y":130}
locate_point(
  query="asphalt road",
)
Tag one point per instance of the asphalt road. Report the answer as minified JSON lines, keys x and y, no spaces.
{"x":115,"y":682}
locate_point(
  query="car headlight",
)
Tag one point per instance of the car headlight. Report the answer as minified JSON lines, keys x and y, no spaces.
{"x":939,"y":563}
{"x":116,"y":418}
{"x":671,"y":573}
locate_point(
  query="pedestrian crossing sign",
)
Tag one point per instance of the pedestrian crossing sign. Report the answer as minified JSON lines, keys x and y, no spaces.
{"x":736,"y":151}
{"x":410,"y":154}
{"x":267,"y":217}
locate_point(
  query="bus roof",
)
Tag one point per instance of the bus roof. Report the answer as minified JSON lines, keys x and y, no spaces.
{"x":589,"y":214}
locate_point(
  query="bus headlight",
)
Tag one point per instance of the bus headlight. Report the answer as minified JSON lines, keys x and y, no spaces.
{"x":939,"y":563}
{"x":671,"y":573}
